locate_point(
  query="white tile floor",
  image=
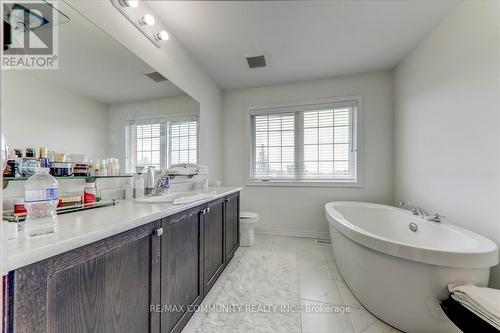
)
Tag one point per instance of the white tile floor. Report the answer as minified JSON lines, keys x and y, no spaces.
{"x":320,"y":283}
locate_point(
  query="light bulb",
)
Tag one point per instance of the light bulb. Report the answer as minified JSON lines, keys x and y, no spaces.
{"x":148,"y":19}
{"x":132,"y":3}
{"x":162,"y":35}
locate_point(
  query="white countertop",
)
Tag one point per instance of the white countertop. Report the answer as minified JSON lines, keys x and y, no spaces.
{"x":85,"y":227}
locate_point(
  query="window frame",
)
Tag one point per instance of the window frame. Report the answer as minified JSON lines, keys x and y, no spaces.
{"x":164,"y":141}
{"x":305,"y":106}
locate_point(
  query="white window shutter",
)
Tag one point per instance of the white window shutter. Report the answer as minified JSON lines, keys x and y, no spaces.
{"x":305,"y":143}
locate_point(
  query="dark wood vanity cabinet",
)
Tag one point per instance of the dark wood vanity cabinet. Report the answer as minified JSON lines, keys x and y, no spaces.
{"x":181,"y":268}
{"x":231,"y":225}
{"x":106,"y":286}
{"x":144,"y":280}
{"x":213,"y":243}
{"x":194,"y":254}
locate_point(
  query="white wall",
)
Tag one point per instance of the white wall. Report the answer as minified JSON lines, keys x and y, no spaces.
{"x":38,"y":114}
{"x":299,"y":210}
{"x":119,"y":114}
{"x":174,"y":62}
{"x":447,"y":121}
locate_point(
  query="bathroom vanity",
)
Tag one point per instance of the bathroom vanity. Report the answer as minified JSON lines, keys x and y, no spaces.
{"x":129,"y":268}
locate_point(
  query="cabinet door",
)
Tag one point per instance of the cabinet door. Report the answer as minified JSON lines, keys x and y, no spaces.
{"x":232,"y":225}
{"x":106,"y":286}
{"x":181,"y":276}
{"x":213,"y":245}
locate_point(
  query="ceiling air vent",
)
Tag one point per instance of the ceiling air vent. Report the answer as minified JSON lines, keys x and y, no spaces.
{"x":257,"y":61}
{"x":157,"y":77}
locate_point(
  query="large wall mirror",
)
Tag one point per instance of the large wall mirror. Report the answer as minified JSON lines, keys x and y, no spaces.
{"x":102,"y":102}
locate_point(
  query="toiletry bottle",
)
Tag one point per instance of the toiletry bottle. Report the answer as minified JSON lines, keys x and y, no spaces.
{"x":102,"y":168}
{"x":139,"y":183}
{"x":129,"y":188}
{"x":18,"y":152}
{"x":11,"y":167}
{"x":150,"y":180}
{"x":30,"y":153}
{"x":89,"y":193}
{"x":19,"y":159}
{"x":98,"y":193}
{"x":19,"y":207}
{"x":44,"y":160}
{"x":41,"y":197}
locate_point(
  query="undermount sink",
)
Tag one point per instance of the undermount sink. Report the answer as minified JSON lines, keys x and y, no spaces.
{"x":171,"y":197}
{"x":167,"y":197}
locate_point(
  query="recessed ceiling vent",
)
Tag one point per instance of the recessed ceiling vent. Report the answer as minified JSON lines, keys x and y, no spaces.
{"x":157,"y":77}
{"x":257,"y":61}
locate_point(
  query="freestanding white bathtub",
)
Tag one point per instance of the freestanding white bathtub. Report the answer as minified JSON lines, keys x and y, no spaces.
{"x":400,"y":275}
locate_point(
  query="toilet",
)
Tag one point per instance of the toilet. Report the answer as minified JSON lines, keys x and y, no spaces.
{"x":248,"y":221}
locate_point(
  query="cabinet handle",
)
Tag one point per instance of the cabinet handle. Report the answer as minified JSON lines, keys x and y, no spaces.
{"x":208,"y":210}
{"x":203,"y":211}
{"x":227,"y":199}
{"x":158,"y":232}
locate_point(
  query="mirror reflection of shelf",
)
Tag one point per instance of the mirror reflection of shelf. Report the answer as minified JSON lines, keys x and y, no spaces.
{"x":6,"y":180}
{"x":11,"y":217}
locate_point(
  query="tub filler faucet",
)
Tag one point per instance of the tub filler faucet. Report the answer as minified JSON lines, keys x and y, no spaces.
{"x":438,"y":218}
{"x":422,"y":212}
{"x":416,"y":210}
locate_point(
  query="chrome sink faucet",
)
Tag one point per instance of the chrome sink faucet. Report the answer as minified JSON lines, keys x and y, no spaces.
{"x":162,"y":184}
{"x":422,"y":212}
{"x":155,"y":185}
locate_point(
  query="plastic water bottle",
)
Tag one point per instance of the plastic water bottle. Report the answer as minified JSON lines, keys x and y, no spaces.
{"x":41,"y":196}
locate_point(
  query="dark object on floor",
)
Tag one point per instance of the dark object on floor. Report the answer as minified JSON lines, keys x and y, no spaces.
{"x":465,"y":319}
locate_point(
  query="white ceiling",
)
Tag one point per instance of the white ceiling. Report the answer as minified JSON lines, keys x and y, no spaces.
{"x":95,"y":65}
{"x":302,"y":39}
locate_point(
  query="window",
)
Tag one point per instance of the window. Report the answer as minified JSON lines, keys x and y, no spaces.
{"x":183,"y":141}
{"x":147,"y":143}
{"x":161,"y":142}
{"x":311,"y":143}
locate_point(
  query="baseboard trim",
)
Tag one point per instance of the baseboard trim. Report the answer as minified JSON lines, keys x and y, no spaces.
{"x":292,"y":233}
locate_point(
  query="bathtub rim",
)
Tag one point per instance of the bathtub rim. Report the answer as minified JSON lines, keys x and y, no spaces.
{"x":485,"y":255}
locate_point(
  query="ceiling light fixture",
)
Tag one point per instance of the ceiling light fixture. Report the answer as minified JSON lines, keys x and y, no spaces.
{"x":141,"y":16}
{"x":162,"y":35}
{"x":129,"y":3}
{"x":148,"y":19}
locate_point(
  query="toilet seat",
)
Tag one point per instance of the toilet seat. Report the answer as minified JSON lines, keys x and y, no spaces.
{"x":248,"y":215}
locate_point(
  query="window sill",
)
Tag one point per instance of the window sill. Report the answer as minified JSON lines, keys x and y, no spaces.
{"x":305,"y":183}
